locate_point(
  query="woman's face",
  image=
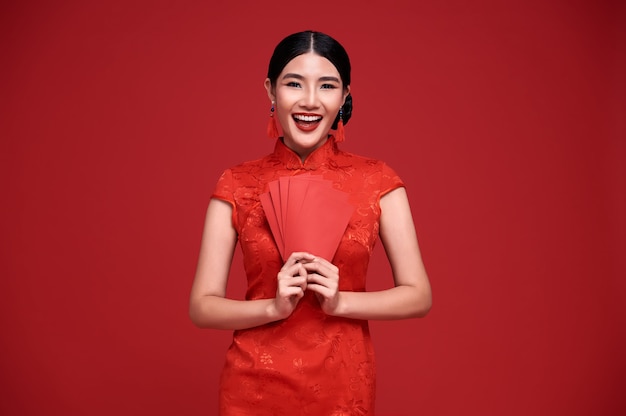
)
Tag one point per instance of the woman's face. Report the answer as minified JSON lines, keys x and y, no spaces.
{"x":308,"y":95}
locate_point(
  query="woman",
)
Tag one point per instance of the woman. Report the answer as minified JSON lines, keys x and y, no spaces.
{"x":301,"y":341}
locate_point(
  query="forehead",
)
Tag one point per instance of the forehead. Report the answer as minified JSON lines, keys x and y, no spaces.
{"x":310,"y":64}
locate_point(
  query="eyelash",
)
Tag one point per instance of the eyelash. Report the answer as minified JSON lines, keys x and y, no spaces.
{"x":324,"y":86}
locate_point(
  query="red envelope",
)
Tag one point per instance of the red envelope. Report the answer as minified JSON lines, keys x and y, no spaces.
{"x":306,"y":213}
{"x":272,"y":219}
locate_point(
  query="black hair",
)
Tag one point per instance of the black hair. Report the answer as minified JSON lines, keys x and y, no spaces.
{"x":320,"y":44}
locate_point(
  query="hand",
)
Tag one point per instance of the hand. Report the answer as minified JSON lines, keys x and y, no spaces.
{"x":323,"y":279}
{"x":292,"y":282}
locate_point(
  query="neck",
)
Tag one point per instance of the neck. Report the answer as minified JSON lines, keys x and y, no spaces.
{"x":304,"y":152}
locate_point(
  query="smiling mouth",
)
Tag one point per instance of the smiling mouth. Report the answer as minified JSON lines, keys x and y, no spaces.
{"x":306,"y":122}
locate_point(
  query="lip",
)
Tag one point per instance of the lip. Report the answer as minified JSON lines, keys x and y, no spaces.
{"x":306,"y":126}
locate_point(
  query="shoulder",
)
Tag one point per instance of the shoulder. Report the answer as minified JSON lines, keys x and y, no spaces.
{"x":376,"y":174}
{"x":365,"y":163}
{"x":244,"y":175}
{"x":249,"y":167}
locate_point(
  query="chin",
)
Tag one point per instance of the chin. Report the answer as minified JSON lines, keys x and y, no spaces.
{"x":306,"y":141}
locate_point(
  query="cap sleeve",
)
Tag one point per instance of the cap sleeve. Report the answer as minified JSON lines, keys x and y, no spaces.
{"x":224,"y":190}
{"x":389,"y":180}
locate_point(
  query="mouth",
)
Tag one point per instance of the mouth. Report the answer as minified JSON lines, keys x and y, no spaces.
{"x":307,"y":122}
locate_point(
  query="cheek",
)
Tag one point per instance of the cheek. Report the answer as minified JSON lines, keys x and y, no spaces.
{"x":283,"y":119}
{"x":333,"y":102}
{"x":281,"y":109}
{"x":283,"y":115}
{"x":284,"y":104}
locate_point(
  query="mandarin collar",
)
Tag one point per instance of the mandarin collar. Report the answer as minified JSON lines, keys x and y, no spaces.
{"x":314,"y":160}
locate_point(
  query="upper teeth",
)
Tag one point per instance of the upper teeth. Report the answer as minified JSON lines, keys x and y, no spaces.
{"x":307,"y":118}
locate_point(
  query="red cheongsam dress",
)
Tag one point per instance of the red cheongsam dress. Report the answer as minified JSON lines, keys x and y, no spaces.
{"x":310,"y":363}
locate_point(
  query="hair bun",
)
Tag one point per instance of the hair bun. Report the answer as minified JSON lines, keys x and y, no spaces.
{"x":346,"y":112}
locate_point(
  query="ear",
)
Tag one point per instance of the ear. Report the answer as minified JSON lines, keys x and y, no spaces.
{"x":346,"y":92}
{"x":270,"y":90}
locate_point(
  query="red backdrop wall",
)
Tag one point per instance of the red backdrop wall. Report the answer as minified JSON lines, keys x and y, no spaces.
{"x":505,"y":119}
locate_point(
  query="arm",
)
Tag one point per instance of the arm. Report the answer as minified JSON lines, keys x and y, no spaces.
{"x":411,"y":295}
{"x":208,"y":306}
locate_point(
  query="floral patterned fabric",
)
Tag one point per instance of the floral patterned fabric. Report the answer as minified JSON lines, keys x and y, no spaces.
{"x":309,"y":363}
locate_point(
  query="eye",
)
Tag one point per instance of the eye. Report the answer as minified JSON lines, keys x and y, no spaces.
{"x":293,"y":84}
{"x":328,"y":86}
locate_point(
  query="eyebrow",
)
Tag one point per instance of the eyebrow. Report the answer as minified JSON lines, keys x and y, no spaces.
{"x":298,"y":76}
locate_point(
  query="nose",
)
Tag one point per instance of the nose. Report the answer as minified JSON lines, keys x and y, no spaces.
{"x":310,"y":99}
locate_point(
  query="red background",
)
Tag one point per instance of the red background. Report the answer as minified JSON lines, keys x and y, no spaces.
{"x":505,"y":119}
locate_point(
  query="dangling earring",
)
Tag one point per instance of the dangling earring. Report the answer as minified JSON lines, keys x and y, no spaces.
{"x":339,"y":134}
{"x":272,"y":128}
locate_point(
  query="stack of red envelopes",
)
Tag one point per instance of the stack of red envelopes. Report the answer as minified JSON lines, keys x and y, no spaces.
{"x":306,"y":213}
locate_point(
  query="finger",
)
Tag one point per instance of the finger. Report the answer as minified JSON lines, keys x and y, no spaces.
{"x":325,"y":269}
{"x":285,"y":292}
{"x":291,"y":291}
{"x":293,"y":265}
{"x":322,"y":260}
{"x":303,"y":277}
{"x":291,"y":262}
{"x":325,"y":263}
{"x":299,"y":282}
{"x":316,"y":279}
{"x":300,"y":257}
{"x":289,"y":281}
{"x":302,"y":271}
{"x":286,"y":275}
{"x":289,"y":271}
{"x":324,"y":291}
